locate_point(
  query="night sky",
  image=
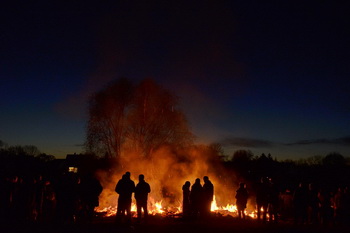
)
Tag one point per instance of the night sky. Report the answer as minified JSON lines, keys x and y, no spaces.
{"x":266,"y":76}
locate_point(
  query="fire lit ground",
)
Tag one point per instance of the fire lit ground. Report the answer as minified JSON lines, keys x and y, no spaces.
{"x":156,"y":208}
{"x":164,"y":224}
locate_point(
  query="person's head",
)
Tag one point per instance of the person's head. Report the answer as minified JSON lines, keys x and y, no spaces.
{"x":206,"y":178}
{"x":141,"y":177}
{"x":264,"y":180}
{"x":187,"y":184}
{"x":198,"y":181}
{"x":311,"y":186}
{"x":127,"y":175}
{"x":242,"y":185}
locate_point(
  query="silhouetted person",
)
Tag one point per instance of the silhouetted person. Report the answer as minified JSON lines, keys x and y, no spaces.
{"x":186,"y":206}
{"x":347,"y":206}
{"x":22,"y":200}
{"x":208,"y":195}
{"x":262,"y":198}
{"x":286,"y":205}
{"x":39,"y":197}
{"x":241,"y":200}
{"x":89,"y":194}
{"x":15,"y":203}
{"x":300,"y":201}
{"x":196,"y":198}
{"x":49,"y":202}
{"x":142,"y":190}
{"x":5,"y":199}
{"x":31,"y":197}
{"x":314,"y":204}
{"x":125,"y":187}
{"x":67,"y":198}
{"x":326,"y":211}
{"x":273,"y":202}
{"x":339,"y":207}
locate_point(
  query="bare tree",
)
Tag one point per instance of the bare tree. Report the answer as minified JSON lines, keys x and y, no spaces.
{"x":155,"y":119}
{"x":45,"y":158}
{"x":141,"y":118}
{"x":3,"y":145}
{"x":107,"y":118}
{"x":31,"y":150}
{"x":27,"y":150}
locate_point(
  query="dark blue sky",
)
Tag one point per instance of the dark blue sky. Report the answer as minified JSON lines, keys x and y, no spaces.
{"x":268,"y":77}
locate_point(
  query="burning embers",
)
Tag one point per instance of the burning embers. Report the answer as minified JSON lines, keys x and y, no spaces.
{"x":154,"y":208}
{"x":157,"y":208}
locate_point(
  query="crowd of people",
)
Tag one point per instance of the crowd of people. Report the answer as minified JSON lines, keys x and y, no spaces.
{"x":267,"y":200}
{"x":71,"y":198}
{"x":197,"y":200}
{"x":67,"y":199}
{"x":307,"y":204}
{"x":313,"y":205}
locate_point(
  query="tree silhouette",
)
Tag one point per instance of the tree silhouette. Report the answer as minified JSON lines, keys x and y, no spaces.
{"x":154,"y":119}
{"x":334,"y":159}
{"x":142,"y":118}
{"x":2,"y":144}
{"x":242,"y":156}
{"x":45,"y":158}
{"x":27,"y":150}
{"x":107,"y":118}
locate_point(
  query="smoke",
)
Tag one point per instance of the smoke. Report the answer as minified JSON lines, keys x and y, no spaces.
{"x":166,"y":171}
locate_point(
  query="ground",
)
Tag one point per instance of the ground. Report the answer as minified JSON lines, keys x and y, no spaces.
{"x":157,"y":224}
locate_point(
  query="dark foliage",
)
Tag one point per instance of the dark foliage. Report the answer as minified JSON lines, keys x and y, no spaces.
{"x":329,"y":172}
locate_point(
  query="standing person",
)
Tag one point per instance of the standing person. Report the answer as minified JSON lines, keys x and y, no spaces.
{"x":68,"y":198}
{"x":49,"y":202}
{"x":241,"y":200}
{"x":5,"y":199}
{"x":125,"y":187}
{"x":273,"y":201}
{"x":326,"y":211}
{"x":338,"y":205}
{"x":208,"y":196}
{"x":300,"y":200}
{"x":141,"y":195}
{"x":346,"y":206}
{"x":196,"y":197}
{"x":314,"y":204}
{"x":39,"y":197}
{"x":262,"y":198}
{"x":90,"y":191}
{"x":186,"y":208}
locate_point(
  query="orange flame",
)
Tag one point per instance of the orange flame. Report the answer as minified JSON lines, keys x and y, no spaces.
{"x":166,"y":174}
{"x":156,"y":207}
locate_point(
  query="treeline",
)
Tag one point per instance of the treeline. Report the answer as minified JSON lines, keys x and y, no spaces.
{"x":29,"y":162}
{"x":23,"y":160}
{"x":327,"y":172}
{"x":330,"y":171}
